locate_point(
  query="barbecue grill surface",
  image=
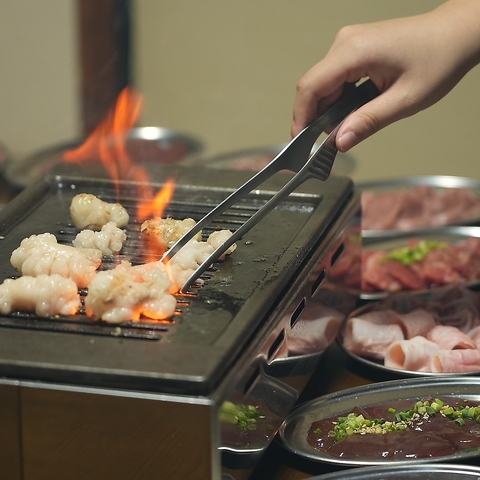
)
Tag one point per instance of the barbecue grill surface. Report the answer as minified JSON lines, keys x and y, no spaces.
{"x":190,"y":353}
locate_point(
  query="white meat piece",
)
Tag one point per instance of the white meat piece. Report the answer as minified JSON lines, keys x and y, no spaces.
{"x":217,"y":239}
{"x":41,"y":254}
{"x":46,"y":295}
{"x":126,"y":293}
{"x":167,"y":231}
{"x":87,"y":210}
{"x":184,"y":263}
{"x":108,"y":240}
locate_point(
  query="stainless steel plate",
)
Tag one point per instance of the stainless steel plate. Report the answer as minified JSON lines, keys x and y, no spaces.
{"x":144,"y":145}
{"x":364,"y":363}
{"x":437,"y":181}
{"x":395,"y":372}
{"x":293,"y":432}
{"x":442,"y":471}
{"x":393,"y":239}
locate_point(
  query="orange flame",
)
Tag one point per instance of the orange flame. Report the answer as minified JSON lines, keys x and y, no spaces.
{"x":156,"y":207}
{"x":108,"y":142}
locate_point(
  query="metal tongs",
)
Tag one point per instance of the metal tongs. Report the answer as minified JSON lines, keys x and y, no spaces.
{"x":296,"y":157}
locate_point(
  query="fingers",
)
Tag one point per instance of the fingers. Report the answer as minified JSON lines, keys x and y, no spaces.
{"x":316,"y":92}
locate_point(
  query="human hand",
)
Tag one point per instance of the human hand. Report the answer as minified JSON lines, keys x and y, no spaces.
{"x":413,"y":61}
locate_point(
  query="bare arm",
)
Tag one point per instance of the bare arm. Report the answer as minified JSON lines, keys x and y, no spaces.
{"x":414,"y":61}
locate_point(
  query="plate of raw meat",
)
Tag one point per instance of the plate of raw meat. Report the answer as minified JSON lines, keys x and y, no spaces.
{"x":420,"y":261}
{"x":433,"y":334}
{"x":411,"y":203}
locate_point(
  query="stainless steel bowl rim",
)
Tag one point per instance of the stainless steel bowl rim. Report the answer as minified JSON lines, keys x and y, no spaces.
{"x":292,"y":433}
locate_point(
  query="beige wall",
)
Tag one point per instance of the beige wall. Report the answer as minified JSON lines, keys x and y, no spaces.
{"x":226,"y":71}
{"x":38,"y":84}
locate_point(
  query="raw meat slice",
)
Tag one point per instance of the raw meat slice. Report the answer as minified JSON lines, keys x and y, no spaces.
{"x":368,"y":339}
{"x":450,"y":338}
{"x":314,"y":331}
{"x":414,"y":354}
{"x":374,"y":275}
{"x":417,"y":322}
{"x":456,"y":361}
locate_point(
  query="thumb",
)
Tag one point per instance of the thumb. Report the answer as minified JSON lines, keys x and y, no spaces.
{"x":390,"y":106}
{"x":358,"y":126}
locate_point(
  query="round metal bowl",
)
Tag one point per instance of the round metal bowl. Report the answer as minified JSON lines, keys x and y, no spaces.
{"x":292,"y":434}
{"x":144,"y":145}
{"x":443,"y":471}
{"x":254,"y":159}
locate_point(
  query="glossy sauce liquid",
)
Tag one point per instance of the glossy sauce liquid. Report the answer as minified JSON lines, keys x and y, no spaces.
{"x":433,"y":437}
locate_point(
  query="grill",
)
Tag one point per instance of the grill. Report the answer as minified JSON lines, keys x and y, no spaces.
{"x":142,"y":400}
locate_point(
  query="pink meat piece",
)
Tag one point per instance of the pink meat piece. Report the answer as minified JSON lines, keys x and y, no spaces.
{"x":438,"y":267}
{"x":419,"y":206}
{"x":405,"y":275}
{"x":315,"y":331}
{"x":467,"y":263}
{"x":417,"y":322}
{"x":414,"y":212}
{"x":456,"y":361}
{"x":374,"y":276}
{"x":381,"y":211}
{"x":457,"y":204}
{"x":450,"y":338}
{"x":367,"y":339}
{"x":347,"y":269}
{"x":414,"y":354}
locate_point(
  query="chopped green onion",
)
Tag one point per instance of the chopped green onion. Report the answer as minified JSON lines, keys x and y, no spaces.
{"x":416,"y":253}
{"x":352,"y":423}
{"x":243,"y":416}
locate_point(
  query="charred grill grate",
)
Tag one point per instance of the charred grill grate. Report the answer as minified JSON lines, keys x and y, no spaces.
{"x":179,"y":208}
{"x":232,"y":315}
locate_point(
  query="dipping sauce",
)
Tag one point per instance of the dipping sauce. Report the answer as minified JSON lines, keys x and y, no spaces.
{"x":254,"y":430}
{"x":423,"y":435}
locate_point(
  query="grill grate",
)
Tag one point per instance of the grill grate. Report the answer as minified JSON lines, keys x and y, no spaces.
{"x":233,"y":312}
{"x":144,"y":329}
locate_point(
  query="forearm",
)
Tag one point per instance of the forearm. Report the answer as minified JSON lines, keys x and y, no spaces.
{"x":459,"y":22}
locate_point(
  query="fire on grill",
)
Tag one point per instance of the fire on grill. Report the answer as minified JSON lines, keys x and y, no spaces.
{"x":126,"y":292}
{"x":239,"y":340}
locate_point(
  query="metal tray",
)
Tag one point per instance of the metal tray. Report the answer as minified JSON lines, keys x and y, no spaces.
{"x":145,"y":145}
{"x":391,"y":240}
{"x":437,"y":181}
{"x":292,"y":433}
{"x":378,"y":369}
{"x":442,"y":471}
